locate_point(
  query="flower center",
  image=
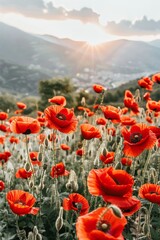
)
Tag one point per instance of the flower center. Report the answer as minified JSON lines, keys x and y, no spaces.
{"x":77,"y":205}
{"x":28,"y":131}
{"x":19,"y":202}
{"x":135,"y":137}
{"x":61,"y":116}
{"x":103,"y":226}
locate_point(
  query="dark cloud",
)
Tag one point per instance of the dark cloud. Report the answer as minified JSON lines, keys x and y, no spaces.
{"x":37,"y":9}
{"x":139,"y":27}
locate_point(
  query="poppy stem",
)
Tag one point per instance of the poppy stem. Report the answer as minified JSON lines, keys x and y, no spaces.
{"x":146,"y":165}
{"x":28,"y":157}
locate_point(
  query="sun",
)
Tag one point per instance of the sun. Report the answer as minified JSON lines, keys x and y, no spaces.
{"x":94,"y":42}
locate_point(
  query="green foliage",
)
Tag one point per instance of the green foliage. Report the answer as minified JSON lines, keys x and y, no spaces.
{"x":56,"y":87}
{"x":7,"y":102}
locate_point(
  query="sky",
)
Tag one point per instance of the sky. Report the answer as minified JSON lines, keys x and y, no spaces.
{"x":94,"y":21}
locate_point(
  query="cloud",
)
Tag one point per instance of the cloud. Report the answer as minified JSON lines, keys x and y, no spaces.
{"x":140,"y":27}
{"x":39,"y":9}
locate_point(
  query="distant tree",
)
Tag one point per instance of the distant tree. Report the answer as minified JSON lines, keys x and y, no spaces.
{"x":7,"y":102}
{"x":56,"y":87}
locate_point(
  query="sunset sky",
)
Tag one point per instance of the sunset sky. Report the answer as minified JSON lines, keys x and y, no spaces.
{"x":93,"y":21}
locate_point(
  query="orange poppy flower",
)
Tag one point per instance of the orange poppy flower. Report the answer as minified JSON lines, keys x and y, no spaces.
{"x":62,"y":119}
{"x":101,"y":121}
{"x":137,"y":139}
{"x":156,"y":78}
{"x":21,"y":202}
{"x":14,"y":140}
{"x":19,"y":111}
{"x":25,"y":125}
{"x":101,"y":224}
{"x":107,"y":158}
{"x":146,"y":83}
{"x":150,"y":192}
{"x":153,"y":105}
{"x":88,"y":131}
{"x":2,"y":139}
{"x":59,"y":100}
{"x":65,"y":147}
{"x":126,"y":161}
{"x":58,"y":170}
{"x":2,"y":185}
{"x":22,"y":173}
{"x":34,"y":158}
{"x":111,"y":113}
{"x":110,"y":183}
{"x":76,"y":202}
{"x":98,"y":88}
{"x":21,"y":105}
{"x":3,"y":116}
{"x":128,"y":121}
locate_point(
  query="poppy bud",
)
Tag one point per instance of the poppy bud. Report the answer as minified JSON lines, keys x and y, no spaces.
{"x":83,"y":101}
{"x":59,"y":221}
{"x":118,"y":166}
{"x":40,"y":156}
{"x":27,"y":167}
{"x":30,"y":236}
{"x":116,"y":210}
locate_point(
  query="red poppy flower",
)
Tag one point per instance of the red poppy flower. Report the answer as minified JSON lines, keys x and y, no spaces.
{"x":19,"y":111}
{"x":65,"y":147}
{"x":146,"y":83}
{"x":126,"y":161}
{"x":40,"y":113}
{"x":21,"y":105}
{"x":2,"y":139}
{"x":14,"y":140}
{"x":146,"y":96}
{"x":59,"y":170}
{"x":76,"y":202}
{"x":3,"y":116}
{"x":101,"y":121}
{"x":90,"y":114}
{"x":130,"y":102}
{"x":4,"y":156}
{"x":155,"y":130}
{"x":149,"y":119}
{"x":110,"y":183}
{"x":153,"y":105}
{"x":3,"y":128}
{"x":107,"y":158}
{"x":111,"y":131}
{"x":150,"y":192}
{"x":98,"y":88}
{"x":156,"y":78}
{"x":111,"y":113}
{"x":62,"y":119}
{"x":79,"y":152}
{"x":21,"y":202}
{"x":2,"y":186}
{"x":42,"y":121}
{"x":137,"y":139}
{"x":34,"y":158}
{"x":88,"y":131}
{"x":25,"y":125}
{"x":128,"y":205}
{"x":59,"y":100}
{"x":41,"y":137}
{"x":101,"y":224}
{"x":128,"y":121}
{"x":22,"y":173}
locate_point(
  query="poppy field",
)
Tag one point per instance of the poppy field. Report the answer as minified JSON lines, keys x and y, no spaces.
{"x":91,"y":173}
